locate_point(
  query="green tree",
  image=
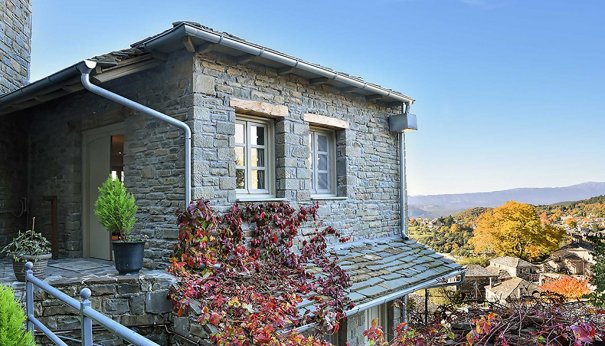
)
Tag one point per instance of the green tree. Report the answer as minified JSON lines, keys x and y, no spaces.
{"x":514,"y":229}
{"x":598,"y":273}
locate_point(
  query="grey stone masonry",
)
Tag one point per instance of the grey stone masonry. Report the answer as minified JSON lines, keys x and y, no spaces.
{"x":13,"y":186}
{"x":15,"y":43}
{"x":153,"y":155}
{"x":366,"y":152}
{"x":139,"y":302}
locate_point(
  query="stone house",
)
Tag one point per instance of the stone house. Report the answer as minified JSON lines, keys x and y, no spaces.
{"x":572,"y":259}
{"x":193,"y":113}
{"x":515,"y":267}
{"x":475,"y":279}
{"x":511,"y":289}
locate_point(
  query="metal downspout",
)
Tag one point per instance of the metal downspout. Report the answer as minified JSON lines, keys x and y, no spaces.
{"x":403,"y":198}
{"x":86,"y":66}
{"x":403,"y":191}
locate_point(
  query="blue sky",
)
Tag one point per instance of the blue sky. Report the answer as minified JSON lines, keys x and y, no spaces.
{"x":509,"y":93}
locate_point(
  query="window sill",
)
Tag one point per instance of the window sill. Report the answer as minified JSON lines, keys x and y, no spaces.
{"x":260,"y":199}
{"x":328,"y":198}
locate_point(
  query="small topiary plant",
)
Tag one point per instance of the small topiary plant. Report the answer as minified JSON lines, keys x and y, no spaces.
{"x":12,"y":321}
{"x":116,"y":209}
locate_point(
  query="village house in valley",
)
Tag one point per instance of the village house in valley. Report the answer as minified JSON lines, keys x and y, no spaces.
{"x":248,"y":124}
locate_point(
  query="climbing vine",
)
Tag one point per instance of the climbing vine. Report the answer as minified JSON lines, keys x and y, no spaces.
{"x":244,"y":273}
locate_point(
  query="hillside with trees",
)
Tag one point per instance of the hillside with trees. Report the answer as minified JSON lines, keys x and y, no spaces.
{"x":452,"y":234}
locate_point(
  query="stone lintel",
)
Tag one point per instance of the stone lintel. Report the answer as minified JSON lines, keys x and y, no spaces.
{"x":258,"y":108}
{"x":324,"y":120}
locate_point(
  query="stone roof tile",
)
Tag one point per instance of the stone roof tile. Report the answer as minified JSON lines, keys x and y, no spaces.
{"x":379,"y":267}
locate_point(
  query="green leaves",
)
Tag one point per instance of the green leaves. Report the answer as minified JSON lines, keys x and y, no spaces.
{"x":27,"y":243}
{"x":12,"y":321}
{"x":115,"y":208}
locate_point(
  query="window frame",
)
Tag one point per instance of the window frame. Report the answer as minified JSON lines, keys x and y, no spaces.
{"x":269,"y":167}
{"x":313,"y":159}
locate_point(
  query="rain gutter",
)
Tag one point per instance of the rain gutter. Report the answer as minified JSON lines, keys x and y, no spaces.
{"x":54,"y":79}
{"x":394,"y":295}
{"x":246,"y":47}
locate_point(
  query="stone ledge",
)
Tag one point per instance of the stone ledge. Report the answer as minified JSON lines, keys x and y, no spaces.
{"x":258,"y":108}
{"x":324,"y":120}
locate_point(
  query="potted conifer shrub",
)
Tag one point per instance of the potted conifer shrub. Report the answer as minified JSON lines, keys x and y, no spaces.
{"x":29,"y":246}
{"x":116,"y":210}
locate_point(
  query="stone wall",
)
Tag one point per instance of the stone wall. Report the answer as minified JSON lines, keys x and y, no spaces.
{"x":201,"y":90}
{"x":15,"y":43}
{"x":13,"y":176}
{"x":367,"y":161}
{"x":153,"y":155}
{"x":139,"y":302}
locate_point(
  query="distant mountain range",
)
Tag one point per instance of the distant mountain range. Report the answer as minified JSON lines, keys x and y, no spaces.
{"x":442,"y":205}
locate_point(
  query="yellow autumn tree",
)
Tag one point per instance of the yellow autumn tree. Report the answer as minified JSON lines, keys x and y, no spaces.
{"x":514,"y":229}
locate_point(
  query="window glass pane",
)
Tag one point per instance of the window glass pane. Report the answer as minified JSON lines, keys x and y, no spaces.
{"x":257,"y":179}
{"x":257,"y":135}
{"x":311,"y":150}
{"x":240,"y":158}
{"x":322,"y":181}
{"x":239,"y":133}
{"x":240,"y":178}
{"x":117,"y":157}
{"x":322,"y":143}
{"x":257,"y":157}
{"x":322,"y":162}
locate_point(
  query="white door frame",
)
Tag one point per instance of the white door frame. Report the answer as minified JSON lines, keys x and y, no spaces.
{"x":87,"y":136}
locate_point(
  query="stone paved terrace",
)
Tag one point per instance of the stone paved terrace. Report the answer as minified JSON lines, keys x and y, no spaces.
{"x":136,"y":301}
{"x":57,"y":270}
{"x":68,"y":270}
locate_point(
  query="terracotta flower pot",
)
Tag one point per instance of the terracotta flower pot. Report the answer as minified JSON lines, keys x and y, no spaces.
{"x":40,"y":263}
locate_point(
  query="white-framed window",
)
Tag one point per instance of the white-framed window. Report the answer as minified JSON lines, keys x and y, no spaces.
{"x":322,"y":161}
{"x":254,"y":158}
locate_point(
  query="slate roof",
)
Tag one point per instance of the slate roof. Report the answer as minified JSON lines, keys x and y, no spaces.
{"x":383,"y":266}
{"x":509,"y":261}
{"x":508,"y":288}
{"x":475,"y":270}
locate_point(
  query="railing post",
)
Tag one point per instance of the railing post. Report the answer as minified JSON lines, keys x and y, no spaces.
{"x":29,"y":296}
{"x":86,"y":321}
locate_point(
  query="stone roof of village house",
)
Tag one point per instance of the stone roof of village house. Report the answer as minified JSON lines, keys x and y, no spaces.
{"x":379,"y":267}
{"x":507,"y":288}
{"x":509,"y":261}
{"x":475,"y":270}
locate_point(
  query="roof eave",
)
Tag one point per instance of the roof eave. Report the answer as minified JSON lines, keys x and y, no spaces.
{"x":173,"y":39}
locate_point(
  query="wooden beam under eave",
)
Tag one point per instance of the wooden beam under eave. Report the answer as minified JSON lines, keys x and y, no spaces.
{"x":348,"y":89}
{"x":286,"y":70}
{"x":318,"y":81}
{"x":205,"y":48}
{"x":374,"y":97}
{"x":188,"y":43}
{"x":52,"y":95}
{"x":246,"y":58}
{"x":72,"y":88}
